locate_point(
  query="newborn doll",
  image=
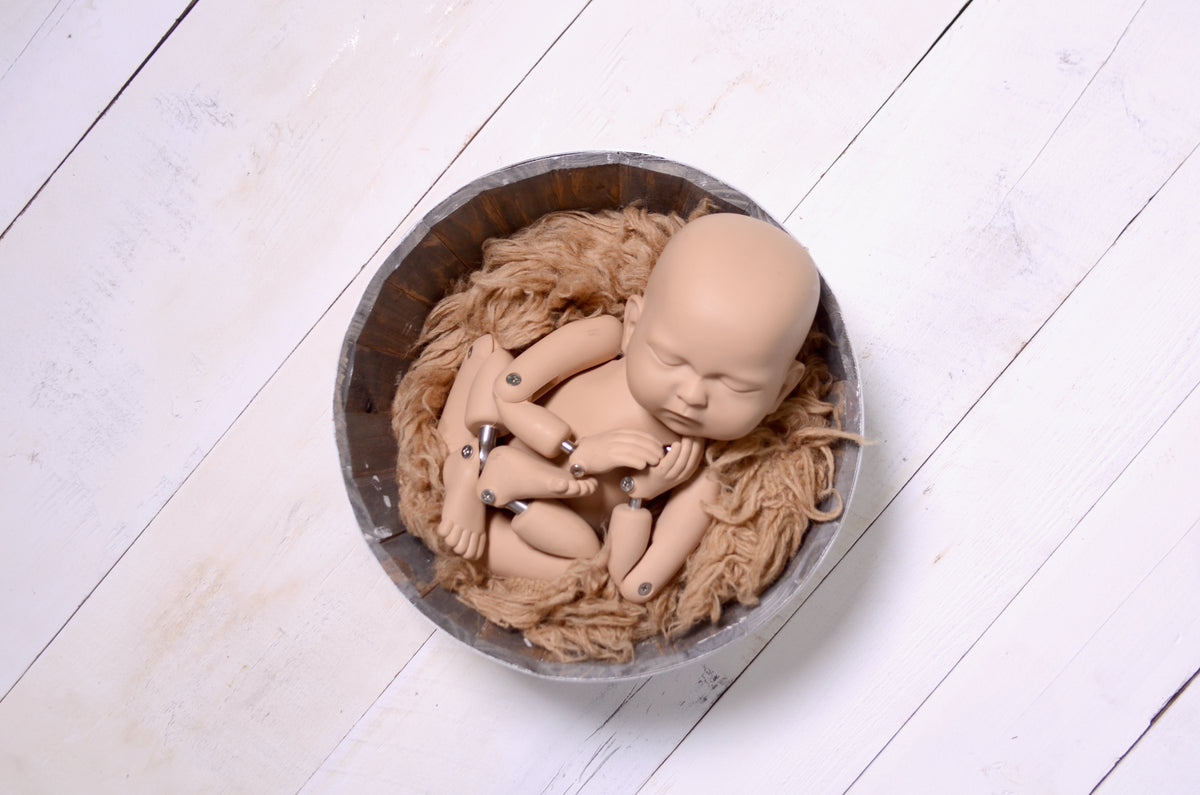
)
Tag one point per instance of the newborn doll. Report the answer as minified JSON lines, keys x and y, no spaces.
{"x":658,"y":445}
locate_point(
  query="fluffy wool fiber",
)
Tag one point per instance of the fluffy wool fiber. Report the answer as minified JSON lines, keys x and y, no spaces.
{"x":573,"y":265}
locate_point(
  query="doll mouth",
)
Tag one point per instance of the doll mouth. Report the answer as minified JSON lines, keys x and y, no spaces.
{"x":670,"y":416}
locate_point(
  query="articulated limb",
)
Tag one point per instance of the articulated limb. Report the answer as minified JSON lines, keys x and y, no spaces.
{"x":641,"y":562}
{"x":559,"y":355}
{"x":482,"y":415}
{"x":510,"y":556}
{"x":513,"y":474}
{"x":525,"y":483}
{"x":463,"y":526}
{"x":552,"y":527}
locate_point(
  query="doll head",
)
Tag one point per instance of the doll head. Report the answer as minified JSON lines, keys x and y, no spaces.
{"x":711,"y":346}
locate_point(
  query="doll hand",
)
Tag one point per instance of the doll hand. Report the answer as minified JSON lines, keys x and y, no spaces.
{"x":675,"y":467}
{"x":610,"y":450}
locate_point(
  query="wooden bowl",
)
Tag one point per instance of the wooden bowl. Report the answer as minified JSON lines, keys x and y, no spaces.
{"x":378,"y":349}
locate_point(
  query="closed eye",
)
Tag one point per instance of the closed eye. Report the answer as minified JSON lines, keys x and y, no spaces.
{"x":741,"y":387}
{"x":666,"y":359}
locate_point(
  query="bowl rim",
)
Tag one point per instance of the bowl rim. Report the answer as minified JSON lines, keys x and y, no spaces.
{"x":737,"y":621}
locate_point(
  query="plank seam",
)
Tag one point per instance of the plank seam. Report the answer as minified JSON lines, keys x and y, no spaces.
{"x":436,"y":180}
{"x":1021,"y":590}
{"x":1170,"y":701}
{"x":32,"y":38}
{"x":358,"y":720}
{"x":1067,"y":115}
{"x":1117,"y":609}
{"x":175,"y":25}
{"x":878,"y":110}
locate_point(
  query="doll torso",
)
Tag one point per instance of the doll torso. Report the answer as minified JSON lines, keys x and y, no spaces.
{"x":595,"y":401}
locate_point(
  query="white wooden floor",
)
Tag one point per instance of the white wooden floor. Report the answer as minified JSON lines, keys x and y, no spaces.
{"x":1004,"y":196}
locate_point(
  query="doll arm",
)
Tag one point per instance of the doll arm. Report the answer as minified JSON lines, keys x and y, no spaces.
{"x":658,"y":477}
{"x":559,"y":355}
{"x":608,"y":450}
{"x":641,"y":562}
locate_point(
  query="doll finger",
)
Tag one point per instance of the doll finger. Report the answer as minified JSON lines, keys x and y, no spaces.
{"x":689,"y":457}
{"x":695,"y":455}
{"x":675,"y":453}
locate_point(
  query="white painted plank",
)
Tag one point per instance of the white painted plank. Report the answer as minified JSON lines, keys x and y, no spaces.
{"x":60,"y":66}
{"x":1078,"y":665}
{"x":1164,"y":760}
{"x":973,"y":525}
{"x":20,"y":21}
{"x":237,"y":186}
{"x":242,"y":635}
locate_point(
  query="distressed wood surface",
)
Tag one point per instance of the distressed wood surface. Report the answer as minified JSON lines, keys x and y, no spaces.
{"x":61,"y":64}
{"x":216,"y":211}
{"x":1003,"y":200}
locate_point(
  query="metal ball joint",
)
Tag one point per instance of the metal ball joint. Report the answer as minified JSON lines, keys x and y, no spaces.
{"x":627,"y":484}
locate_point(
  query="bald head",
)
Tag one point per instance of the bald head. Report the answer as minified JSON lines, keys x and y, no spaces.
{"x":740,"y":275}
{"x":712,"y":344}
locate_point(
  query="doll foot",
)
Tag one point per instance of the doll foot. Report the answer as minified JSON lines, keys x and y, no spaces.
{"x":463,"y":521}
{"x":465,"y":542}
{"x":513,"y":474}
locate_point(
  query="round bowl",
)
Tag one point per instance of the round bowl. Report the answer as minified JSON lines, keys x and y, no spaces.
{"x":378,"y":349}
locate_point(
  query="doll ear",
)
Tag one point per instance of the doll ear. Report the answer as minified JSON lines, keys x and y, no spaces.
{"x":633,"y":310}
{"x":795,"y":372}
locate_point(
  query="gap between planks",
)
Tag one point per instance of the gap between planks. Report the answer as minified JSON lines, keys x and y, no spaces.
{"x":99,"y":116}
{"x":388,"y":242}
{"x":1149,"y":726}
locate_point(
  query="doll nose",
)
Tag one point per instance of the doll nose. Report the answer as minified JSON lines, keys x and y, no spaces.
{"x":693,"y":393}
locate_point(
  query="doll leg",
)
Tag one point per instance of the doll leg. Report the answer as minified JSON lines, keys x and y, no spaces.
{"x":553,"y":528}
{"x":482,"y":417}
{"x":515,"y":474}
{"x":642,"y":561}
{"x":524,"y":482}
{"x":509,"y":556}
{"x":462,"y":525}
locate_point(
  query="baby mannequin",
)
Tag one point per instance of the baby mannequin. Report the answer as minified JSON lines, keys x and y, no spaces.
{"x":604,"y":414}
